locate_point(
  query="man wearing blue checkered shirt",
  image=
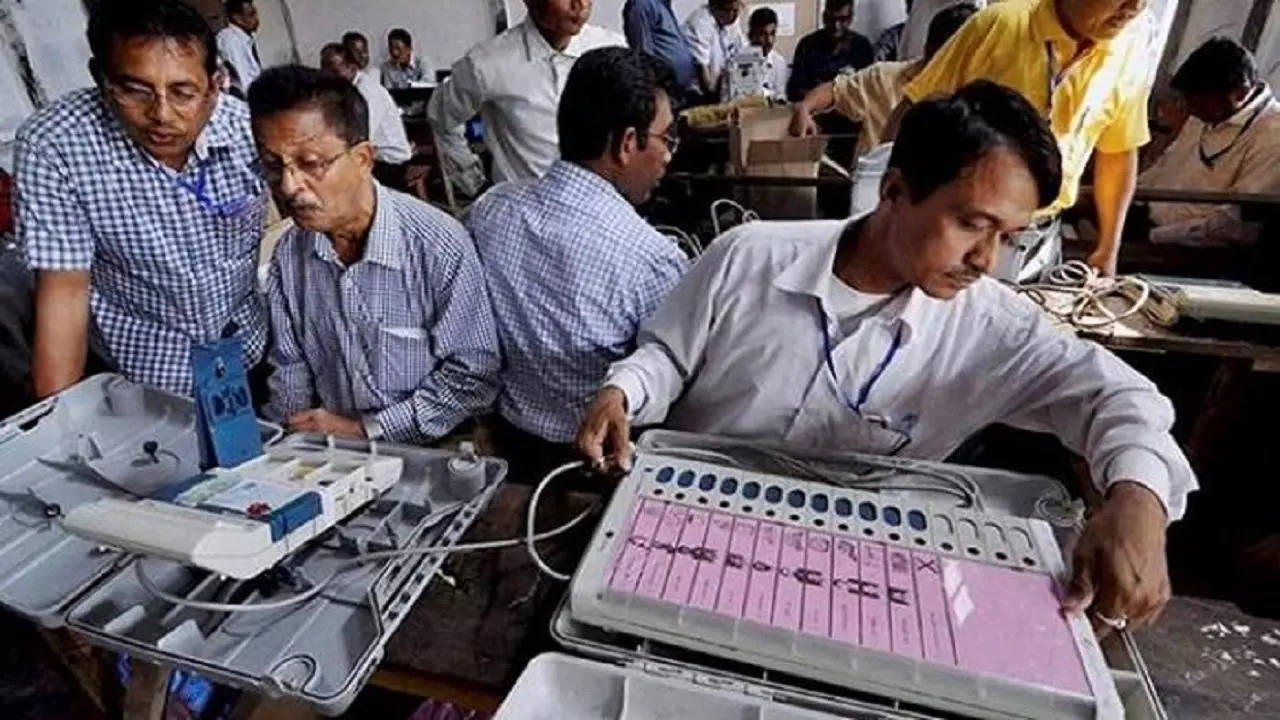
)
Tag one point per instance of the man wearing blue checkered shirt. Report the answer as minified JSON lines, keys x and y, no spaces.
{"x":382,"y":324}
{"x":139,"y":203}
{"x":572,"y":268}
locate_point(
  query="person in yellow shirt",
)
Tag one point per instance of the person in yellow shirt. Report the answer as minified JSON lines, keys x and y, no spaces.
{"x":870,"y":96}
{"x":1088,"y":66}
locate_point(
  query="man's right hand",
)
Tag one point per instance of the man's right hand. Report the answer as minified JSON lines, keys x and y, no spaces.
{"x":802,"y":123}
{"x":606,"y":424}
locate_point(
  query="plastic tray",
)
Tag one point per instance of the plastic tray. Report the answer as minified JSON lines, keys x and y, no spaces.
{"x":561,"y":687}
{"x":321,"y":651}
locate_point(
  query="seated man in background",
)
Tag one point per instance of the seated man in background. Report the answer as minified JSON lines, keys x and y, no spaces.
{"x":881,"y":335}
{"x":382,"y":324}
{"x":828,"y":51}
{"x":714,"y":37}
{"x":870,"y":96}
{"x":651,"y":27}
{"x":571,"y":267}
{"x":514,"y":83}
{"x":358,"y":45}
{"x":386,"y":129}
{"x":762,"y":32}
{"x":140,"y":217}
{"x":403,"y":67}
{"x":885,"y":47}
{"x":1231,"y":143}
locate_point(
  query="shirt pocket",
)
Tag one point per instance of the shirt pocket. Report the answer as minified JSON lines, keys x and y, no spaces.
{"x":404,"y":358}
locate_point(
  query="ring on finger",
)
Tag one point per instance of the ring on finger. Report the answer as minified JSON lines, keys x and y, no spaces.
{"x":1116,"y":623}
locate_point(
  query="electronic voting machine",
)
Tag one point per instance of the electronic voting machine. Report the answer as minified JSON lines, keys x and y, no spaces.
{"x":904,"y":596}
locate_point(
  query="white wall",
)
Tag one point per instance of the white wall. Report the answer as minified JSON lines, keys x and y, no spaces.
{"x":52,"y":33}
{"x":1269,"y":50}
{"x":1209,"y":18}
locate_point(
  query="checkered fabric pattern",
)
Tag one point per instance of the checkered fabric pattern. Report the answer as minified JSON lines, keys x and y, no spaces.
{"x":166,"y":270}
{"x":572,"y":270}
{"x":405,"y":334}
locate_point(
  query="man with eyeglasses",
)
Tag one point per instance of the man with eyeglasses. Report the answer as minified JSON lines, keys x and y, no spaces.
{"x":880,"y":334}
{"x":381,"y":321}
{"x":571,"y":267}
{"x":140,"y":206}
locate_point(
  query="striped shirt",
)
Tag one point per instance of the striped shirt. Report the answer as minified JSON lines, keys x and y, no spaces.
{"x":572,"y":270}
{"x":404,"y":335}
{"x":172,"y":255}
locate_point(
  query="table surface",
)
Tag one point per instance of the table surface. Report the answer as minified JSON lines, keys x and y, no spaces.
{"x":1140,"y":334}
{"x":468,"y":644}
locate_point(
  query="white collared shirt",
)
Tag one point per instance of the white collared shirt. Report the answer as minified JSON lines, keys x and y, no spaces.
{"x":514,"y":82}
{"x":1249,"y":163}
{"x":386,"y":127}
{"x":711,"y":43}
{"x":236,"y":48}
{"x":738,"y":349}
{"x":777,"y":72}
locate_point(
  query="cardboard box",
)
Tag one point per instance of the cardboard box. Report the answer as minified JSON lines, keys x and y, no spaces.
{"x":760,"y":145}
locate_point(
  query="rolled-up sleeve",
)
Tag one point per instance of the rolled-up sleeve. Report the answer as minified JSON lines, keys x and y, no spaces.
{"x":1096,"y":404}
{"x":464,"y":381}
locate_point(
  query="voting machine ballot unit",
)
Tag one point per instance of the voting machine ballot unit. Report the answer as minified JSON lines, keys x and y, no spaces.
{"x":110,"y":528}
{"x":894,"y":587}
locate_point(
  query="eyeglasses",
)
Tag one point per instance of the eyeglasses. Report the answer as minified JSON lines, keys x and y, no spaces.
{"x":274,"y":168}
{"x":182,"y":98}
{"x":670,"y":137}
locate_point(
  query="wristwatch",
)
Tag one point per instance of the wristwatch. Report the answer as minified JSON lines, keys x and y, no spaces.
{"x":372,"y":427}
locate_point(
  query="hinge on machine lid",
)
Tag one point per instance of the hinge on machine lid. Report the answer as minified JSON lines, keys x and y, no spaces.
{"x":662,"y":670}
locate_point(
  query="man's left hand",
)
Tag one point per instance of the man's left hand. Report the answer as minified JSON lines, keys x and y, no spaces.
{"x":325,"y":423}
{"x":1120,"y":571}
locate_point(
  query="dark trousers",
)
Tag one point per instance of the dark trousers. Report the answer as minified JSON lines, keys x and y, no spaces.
{"x":530,"y":458}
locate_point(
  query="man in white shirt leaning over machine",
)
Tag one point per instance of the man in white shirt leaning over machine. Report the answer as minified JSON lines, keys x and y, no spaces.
{"x":880,"y":334}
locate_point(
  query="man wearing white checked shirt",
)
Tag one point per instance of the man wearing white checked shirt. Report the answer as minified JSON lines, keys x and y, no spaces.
{"x":139,"y":203}
{"x":379,"y":312}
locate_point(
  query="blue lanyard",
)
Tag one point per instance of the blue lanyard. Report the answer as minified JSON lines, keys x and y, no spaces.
{"x":1054,"y":78}
{"x":865,"y":391}
{"x":199,"y":189}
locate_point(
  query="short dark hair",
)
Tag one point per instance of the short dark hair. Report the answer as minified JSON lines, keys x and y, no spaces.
{"x":400,"y":34}
{"x":761,"y":18}
{"x":946,"y":23}
{"x":110,"y":19}
{"x":1219,"y":66}
{"x":235,"y":7}
{"x":942,"y":137}
{"x":290,"y":87}
{"x":834,"y":5}
{"x":337,"y":49}
{"x":609,"y":90}
{"x":351,"y":36}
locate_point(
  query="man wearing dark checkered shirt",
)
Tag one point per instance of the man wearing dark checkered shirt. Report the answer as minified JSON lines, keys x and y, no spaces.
{"x":139,"y":206}
{"x":379,"y":311}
